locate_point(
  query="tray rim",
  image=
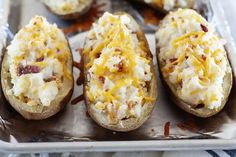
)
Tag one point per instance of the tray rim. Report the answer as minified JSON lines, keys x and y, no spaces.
{"x":126,"y":146}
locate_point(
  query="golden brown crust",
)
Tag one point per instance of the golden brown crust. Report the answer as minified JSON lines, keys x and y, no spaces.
{"x":202,"y":112}
{"x":131,"y":123}
{"x":37,"y":112}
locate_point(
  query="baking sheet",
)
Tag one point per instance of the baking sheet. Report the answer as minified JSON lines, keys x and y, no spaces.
{"x":73,"y":123}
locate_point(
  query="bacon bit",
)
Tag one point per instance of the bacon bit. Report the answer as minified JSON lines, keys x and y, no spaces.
{"x":78,"y":65}
{"x":203,"y":57}
{"x":189,"y":125}
{"x":117,"y":49}
{"x":181,"y":83}
{"x":77,"y":99}
{"x":28,"y":69}
{"x":181,"y":126}
{"x":192,"y":124}
{"x":186,"y":57}
{"x":167,"y":129}
{"x":101,"y":79}
{"x":130,"y":105}
{"x":98,"y":55}
{"x":173,"y":59}
{"x":53,"y":78}
{"x":40,"y":59}
{"x":204,"y":28}
{"x":120,"y":66}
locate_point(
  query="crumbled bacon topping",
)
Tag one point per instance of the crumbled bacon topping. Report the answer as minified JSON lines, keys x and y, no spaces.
{"x":40,"y":59}
{"x":28,"y":69}
{"x":120,"y":66}
{"x":204,"y":28}
{"x":101,"y":79}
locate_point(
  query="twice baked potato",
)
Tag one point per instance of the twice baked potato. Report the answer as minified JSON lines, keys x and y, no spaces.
{"x":193,"y":63}
{"x":68,"y":9}
{"x":36,"y":72}
{"x":168,"y":5}
{"x":120,"y":84}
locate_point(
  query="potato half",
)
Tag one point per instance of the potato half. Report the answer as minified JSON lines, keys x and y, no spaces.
{"x":36,"y":72}
{"x":168,"y":5}
{"x":68,"y":9}
{"x":193,"y":63}
{"x":120,"y":84}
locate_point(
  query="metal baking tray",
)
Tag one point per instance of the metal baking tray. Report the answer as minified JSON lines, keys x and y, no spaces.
{"x":73,"y":130}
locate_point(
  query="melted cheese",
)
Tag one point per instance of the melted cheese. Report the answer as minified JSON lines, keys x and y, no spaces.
{"x":117,"y":71}
{"x":41,"y":45}
{"x":193,"y":58}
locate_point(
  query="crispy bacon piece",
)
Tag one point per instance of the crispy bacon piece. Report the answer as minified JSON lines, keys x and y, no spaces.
{"x":167,"y":129}
{"x":28,"y":69}
{"x":120,"y":66}
{"x":101,"y":79}
{"x":204,"y":57}
{"x":204,"y":28}
{"x":40,"y":59}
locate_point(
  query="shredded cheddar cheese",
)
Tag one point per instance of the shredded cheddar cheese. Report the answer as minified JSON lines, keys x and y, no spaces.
{"x":118,"y":71}
{"x":38,"y":58}
{"x":190,"y":58}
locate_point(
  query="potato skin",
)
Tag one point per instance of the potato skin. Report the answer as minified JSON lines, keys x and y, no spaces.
{"x":39,"y":112}
{"x":131,"y":123}
{"x":153,"y":6}
{"x":161,"y":9}
{"x":199,"y":112}
{"x":72,"y":16}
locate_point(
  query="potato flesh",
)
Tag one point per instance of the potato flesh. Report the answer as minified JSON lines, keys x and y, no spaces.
{"x":192,"y":59}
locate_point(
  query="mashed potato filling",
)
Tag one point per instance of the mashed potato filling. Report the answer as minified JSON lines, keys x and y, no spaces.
{"x":119,"y":70}
{"x":193,"y":58}
{"x":171,"y":4}
{"x":63,"y":7}
{"x":37,"y":59}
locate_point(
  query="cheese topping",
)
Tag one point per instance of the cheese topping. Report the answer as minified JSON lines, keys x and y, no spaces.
{"x":118,"y":70}
{"x":63,"y":7}
{"x":171,"y":4}
{"x":38,"y":56}
{"x":193,"y":58}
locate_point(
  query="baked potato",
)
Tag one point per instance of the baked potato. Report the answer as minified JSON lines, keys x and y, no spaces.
{"x":68,"y":9}
{"x":168,"y":5}
{"x":36,"y":72}
{"x":120,"y":83}
{"x":193,"y":63}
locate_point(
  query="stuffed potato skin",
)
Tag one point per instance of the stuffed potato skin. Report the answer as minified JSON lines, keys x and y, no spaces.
{"x":68,"y":9}
{"x":168,"y":5}
{"x":125,"y":123}
{"x":17,"y":88}
{"x":196,"y":73}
